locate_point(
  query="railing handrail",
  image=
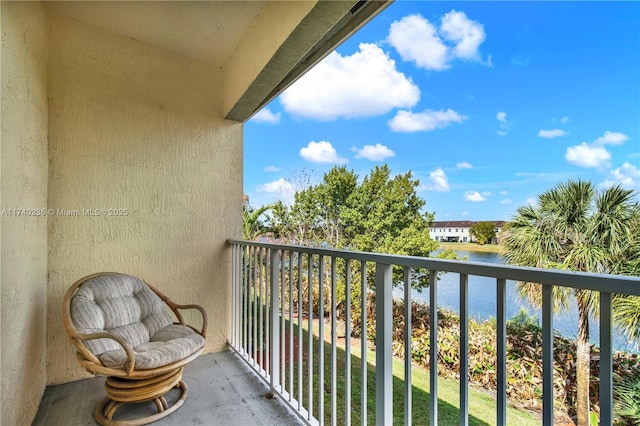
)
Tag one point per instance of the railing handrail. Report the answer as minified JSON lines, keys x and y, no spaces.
{"x":616,"y":284}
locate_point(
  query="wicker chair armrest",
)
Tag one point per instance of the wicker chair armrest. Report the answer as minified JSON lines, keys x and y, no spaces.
{"x":81,"y":338}
{"x":176,"y":309}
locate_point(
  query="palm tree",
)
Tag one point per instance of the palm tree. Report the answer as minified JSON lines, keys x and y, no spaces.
{"x":626,"y":309}
{"x":573,"y":227}
{"x":252,"y":226}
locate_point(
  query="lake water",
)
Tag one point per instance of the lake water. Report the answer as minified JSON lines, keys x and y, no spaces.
{"x":482,"y":302}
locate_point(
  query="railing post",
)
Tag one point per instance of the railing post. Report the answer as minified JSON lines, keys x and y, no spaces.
{"x":274,"y":343}
{"x":347,"y":343}
{"x":384,"y":375}
{"x":501,"y":351}
{"x":408,"y":330}
{"x":606,"y":361}
{"x":254,"y":302}
{"x":547,"y":355}
{"x":334,"y":344}
{"x":464,"y":350}
{"x":310,"y":337}
{"x":234,"y":291}
{"x":363,"y":345}
{"x":433,"y":346}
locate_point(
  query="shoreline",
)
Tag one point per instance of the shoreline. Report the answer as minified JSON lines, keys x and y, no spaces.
{"x":486,"y":248}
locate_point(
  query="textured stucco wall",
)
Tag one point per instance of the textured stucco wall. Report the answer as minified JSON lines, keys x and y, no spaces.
{"x":23,"y":185}
{"x":139,"y":128}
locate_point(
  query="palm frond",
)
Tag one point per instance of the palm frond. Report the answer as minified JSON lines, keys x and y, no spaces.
{"x":626,"y":399}
{"x":626,"y":313}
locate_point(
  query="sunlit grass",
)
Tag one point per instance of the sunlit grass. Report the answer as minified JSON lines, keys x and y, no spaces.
{"x":482,"y":406}
{"x":486,"y":248}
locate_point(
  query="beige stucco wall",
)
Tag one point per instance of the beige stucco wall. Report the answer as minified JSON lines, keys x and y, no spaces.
{"x":139,"y":128}
{"x":23,"y":185}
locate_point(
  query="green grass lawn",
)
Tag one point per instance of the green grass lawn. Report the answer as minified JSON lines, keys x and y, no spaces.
{"x":482,"y":406}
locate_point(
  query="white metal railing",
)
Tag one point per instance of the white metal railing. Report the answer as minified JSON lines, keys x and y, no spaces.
{"x":270,"y":331}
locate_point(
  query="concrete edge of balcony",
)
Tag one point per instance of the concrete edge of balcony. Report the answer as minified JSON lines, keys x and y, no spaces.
{"x":223,"y":390}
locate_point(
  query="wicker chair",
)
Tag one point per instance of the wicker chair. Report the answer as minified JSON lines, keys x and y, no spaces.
{"x":120,"y":327}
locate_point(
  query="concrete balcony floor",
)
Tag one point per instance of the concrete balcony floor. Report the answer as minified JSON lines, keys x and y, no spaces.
{"x":222,"y":391}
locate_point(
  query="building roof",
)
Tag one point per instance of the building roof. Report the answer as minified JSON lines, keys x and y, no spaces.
{"x":464,"y":223}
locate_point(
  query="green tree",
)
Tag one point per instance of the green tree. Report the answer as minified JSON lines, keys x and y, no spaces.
{"x":381,"y":214}
{"x":252,"y":226}
{"x":314,"y":217}
{"x":483,"y":232}
{"x":573,"y":227}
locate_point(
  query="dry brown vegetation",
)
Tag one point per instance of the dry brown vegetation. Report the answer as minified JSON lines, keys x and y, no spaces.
{"x":487,"y":248}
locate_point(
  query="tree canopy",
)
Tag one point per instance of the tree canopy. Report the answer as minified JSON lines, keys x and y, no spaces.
{"x":381,"y":213}
{"x":483,"y":232}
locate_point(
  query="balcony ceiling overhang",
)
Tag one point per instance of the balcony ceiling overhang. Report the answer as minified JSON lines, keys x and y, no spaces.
{"x":261,"y":46}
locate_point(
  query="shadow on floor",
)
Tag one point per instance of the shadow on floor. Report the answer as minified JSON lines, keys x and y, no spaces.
{"x":222,"y":391}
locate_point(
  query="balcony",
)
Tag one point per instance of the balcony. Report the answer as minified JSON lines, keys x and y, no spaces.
{"x":113,"y":107}
{"x":273,"y":328}
{"x":275,"y":349}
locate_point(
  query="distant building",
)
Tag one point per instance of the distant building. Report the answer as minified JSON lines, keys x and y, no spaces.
{"x":458,"y":230}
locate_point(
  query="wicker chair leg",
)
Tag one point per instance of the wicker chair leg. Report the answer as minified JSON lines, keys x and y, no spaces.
{"x":161,"y":403}
{"x":121,"y":391}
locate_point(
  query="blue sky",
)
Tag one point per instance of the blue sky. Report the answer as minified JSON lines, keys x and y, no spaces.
{"x":487,"y":103}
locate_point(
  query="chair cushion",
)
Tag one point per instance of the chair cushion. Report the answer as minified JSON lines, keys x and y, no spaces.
{"x":171,"y":344}
{"x":122,"y":305}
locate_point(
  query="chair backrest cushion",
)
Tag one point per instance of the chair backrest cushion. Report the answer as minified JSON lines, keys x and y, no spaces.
{"x":120,"y":304}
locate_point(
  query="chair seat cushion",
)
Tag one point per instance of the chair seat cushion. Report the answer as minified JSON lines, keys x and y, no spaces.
{"x":171,"y":344}
{"x":119,"y":304}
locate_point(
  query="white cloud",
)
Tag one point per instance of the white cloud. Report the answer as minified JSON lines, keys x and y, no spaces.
{"x":321,"y":152}
{"x":364,"y":84}
{"x":501,"y":116}
{"x":504,"y":192}
{"x":280,"y":186}
{"x":271,"y":169}
{"x":437,"y":181}
{"x":266,"y":116}
{"x":464,"y":165}
{"x":563,"y":120}
{"x":611,"y":138}
{"x":550,"y":134}
{"x":474,"y":196}
{"x":595,"y":154}
{"x":419,"y":41}
{"x":467,"y":34}
{"x":584,"y":155}
{"x":377,"y":152}
{"x":627,"y":176}
{"x":506,"y":201}
{"x":407,"y":121}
